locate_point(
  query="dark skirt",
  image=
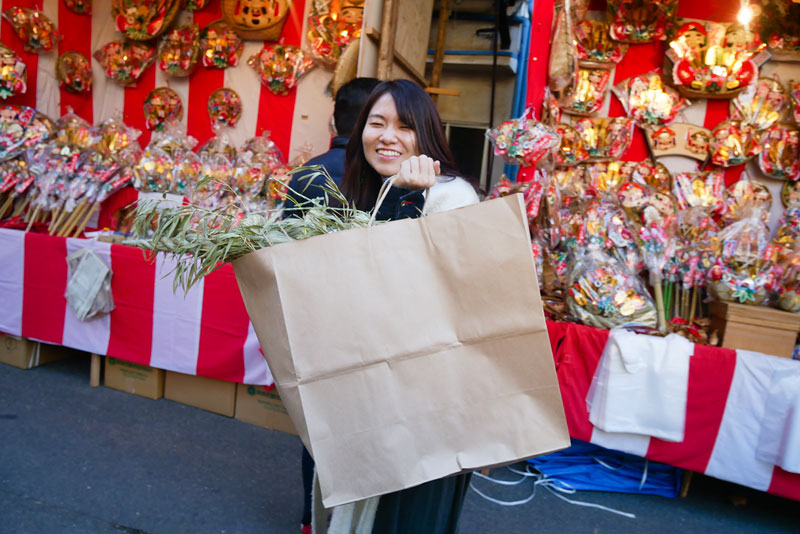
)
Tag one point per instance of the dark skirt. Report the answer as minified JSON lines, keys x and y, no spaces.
{"x":430,"y":508}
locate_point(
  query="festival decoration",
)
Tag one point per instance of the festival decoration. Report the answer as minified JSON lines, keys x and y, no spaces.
{"x":35,"y":30}
{"x":647,"y":173}
{"x":142,"y":20}
{"x":778,"y":23}
{"x":761,"y":104}
{"x":81,"y":7}
{"x":258,"y":20}
{"x":280,"y":67}
{"x":13,"y":73}
{"x":162,"y":106}
{"x":124,"y":61}
{"x":733,"y":142}
{"x":179,"y":50}
{"x":640,"y":21}
{"x":788,"y":231}
{"x":220,"y":46}
{"x":679,"y":139}
{"x":224,"y":107}
{"x":780,"y":157}
{"x":589,"y":94}
{"x":605,"y":138}
{"x":74,"y":72}
{"x":794,"y":90}
{"x":648,"y":101}
{"x":193,"y":5}
{"x":704,"y":189}
{"x":332,"y":26}
{"x":715,"y":60}
{"x":562,"y":67}
{"x":523,"y":141}
{"x":746,"y":193}
{"x":790,"y":193}
{"x":595,"y":47}
{"x":571,"y":151}
{"x":14,"y":121}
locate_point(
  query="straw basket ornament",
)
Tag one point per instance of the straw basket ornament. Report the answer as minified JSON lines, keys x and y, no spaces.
{"x":256,"y":20}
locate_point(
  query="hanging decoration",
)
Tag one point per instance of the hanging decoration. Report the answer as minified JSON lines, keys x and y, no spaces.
{"x":790,"y":193}
{"x":194,"y":5}
{"x":162,"y":107}
{"x":280,"y":67}
{"x":332,"y":26}
{"x":780,"y":157}
{"x":142,"y":20}
{"x":595,"y":47}
{"x":605,"y":138}
{"x":679,"y":139}
{"x":257,"y":20}
{"x":125,"y":61}
{"x":761,"y":104}
{"x":13,"y":75}
{"x":36,"y":31}
{"x":640,"y":21}
{"x":571,"y":150}
{"x":523,"y":141}
{"x":74,"y":72}
{"x":715,"y":60}
{"x":179,"y":50}
{"x":648,"y":101}
{"x":794,"y":90}
{"x":703,"y":189}
{"x":220,"y":46}
{"x":733,"y":142}
{"x":744,"y":194}
{"x":224,"y":107}
{"x":81,"y":7}
{"x":589,"y":94}
{"x":778,"y":23}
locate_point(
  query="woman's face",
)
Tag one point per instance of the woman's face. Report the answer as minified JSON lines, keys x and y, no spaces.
{"x":387,"y":141}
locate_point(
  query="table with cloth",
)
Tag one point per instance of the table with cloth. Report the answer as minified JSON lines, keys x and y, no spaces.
{"x":207,"y":332}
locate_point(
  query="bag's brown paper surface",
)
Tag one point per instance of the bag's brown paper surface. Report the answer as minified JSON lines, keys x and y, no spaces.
{"x":411,"y":350}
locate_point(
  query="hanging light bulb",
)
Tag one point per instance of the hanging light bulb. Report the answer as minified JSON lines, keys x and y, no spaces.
{"x":745,"y":15}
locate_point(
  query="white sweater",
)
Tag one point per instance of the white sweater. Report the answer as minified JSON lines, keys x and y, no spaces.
{"x":449,"y":193}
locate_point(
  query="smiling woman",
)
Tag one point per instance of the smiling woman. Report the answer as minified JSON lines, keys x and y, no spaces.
{"x":399,"y":135}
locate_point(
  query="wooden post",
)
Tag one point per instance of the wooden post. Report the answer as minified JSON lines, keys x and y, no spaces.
{"x":386,"y":48}
{"x":438,"y":58}
{"x":94,"y":371}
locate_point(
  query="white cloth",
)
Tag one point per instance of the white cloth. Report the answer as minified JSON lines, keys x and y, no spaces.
{"x":448,"y":194}
{"x":640,"y":385}
{"x":779,"y":439}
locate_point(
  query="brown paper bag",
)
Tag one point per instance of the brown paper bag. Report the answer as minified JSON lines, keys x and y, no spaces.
{"x":411,"y":350}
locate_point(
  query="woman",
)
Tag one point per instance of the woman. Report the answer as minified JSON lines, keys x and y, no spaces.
{"x":399,"y":136}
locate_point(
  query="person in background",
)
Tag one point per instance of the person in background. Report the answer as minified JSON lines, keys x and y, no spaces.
{"x":347,"y":105}
{"x":399,"y":136}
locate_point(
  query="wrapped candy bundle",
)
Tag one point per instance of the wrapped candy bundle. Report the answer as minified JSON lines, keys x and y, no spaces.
{"x":188,"y":168}
{"x":13,"y":75}
{"x":746,"y":192}
{"x":762,"y":104}
{"x":280,"y":67}
{"x":605,"y":178}
{"x":789,"y":227}
{"x":153,"y":173}
{"x":39,"y":130}
{"x":745,"y":268}
{"x":220,"y":46}
{"x":124,"y":61}
{"x":646,"y":173}
{"x":14,"y":121}
{"x":605,"y":138}
{"x":648,"y":101}
{"x":704,"y":189}
{"x":15,"y":177}
{"x":118,"y":141}
{"x":603,"y":293}
{"x":733,"y":143}
{"x":35,"y":30}
{"x":523,"y":141}
{"x":219,"y":145}
{"x":780,"y":157}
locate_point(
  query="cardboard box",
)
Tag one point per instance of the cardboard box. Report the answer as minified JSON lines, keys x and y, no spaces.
{"x":257,"y":406}
{"x":755,"y":328}
{"x":26,"y":354}
{"x":208,"y":394}
{"x":134,"y":378}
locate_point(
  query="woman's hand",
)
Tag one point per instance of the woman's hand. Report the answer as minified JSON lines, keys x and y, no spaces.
{"x":417,"y":172}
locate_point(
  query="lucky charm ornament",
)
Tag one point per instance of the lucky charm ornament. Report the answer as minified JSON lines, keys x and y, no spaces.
{"x":13,"y":75}
{"x":280,"y":67}
{"x":257,"y":20}
{"x":161,"y":107}
{"x":81,"y":7}
{"x":142,"y":20}
{"x":125,"y":61}
{"x":35,"y":30}
{"x":74,"y":72}
{"x":640,"y":21}
{"x":780,"y":157}
{"x":224,"y":107}
{"x":179,"y":50}
{"x":220,"y":46}
{"x":332,"y":26}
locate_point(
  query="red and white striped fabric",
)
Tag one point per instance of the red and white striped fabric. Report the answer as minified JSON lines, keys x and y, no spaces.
{"x":296,"y":122}
{"x":205,"y":332}
{"x":725,"y":404}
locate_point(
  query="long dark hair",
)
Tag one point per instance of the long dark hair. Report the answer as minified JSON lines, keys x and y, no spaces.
{"x":415,"y":108}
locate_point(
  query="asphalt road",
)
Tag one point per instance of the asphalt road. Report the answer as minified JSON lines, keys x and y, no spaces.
{"x":76,"y":459}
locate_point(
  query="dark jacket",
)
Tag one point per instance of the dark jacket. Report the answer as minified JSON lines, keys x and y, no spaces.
{"x":306,"y":184}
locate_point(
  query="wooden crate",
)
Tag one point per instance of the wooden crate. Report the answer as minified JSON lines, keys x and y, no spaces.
{"x":755,"y":328}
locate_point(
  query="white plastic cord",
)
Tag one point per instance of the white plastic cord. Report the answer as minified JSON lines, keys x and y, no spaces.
{"x":553,"y":485}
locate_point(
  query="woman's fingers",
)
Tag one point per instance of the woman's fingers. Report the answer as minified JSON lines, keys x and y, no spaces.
{"x":417,"y":172}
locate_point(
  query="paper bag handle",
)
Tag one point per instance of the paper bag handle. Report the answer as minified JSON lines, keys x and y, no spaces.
{"x":382,"y":193}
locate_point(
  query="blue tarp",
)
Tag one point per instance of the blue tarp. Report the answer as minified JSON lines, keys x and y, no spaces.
{"x":584,"y":466}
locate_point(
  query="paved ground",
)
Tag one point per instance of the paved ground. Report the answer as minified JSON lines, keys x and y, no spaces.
{"x":75,"y":459}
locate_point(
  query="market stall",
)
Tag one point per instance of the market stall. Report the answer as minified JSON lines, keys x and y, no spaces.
{"x":655,"y":169}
